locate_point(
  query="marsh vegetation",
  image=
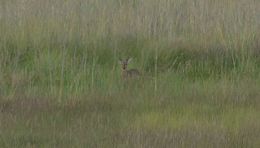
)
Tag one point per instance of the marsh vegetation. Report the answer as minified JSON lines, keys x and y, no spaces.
{"x":60,"y":80}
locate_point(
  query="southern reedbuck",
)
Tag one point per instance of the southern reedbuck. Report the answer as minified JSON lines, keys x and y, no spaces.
{"x":131,"y":73}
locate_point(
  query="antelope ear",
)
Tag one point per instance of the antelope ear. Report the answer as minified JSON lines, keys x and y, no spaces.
{"x":120,"y":60}
{"x":129,"y":60}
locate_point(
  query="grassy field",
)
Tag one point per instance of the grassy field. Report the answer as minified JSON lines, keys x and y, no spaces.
{"x":60,"y":82}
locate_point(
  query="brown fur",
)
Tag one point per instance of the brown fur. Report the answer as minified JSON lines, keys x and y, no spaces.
{"x":128,"y":73}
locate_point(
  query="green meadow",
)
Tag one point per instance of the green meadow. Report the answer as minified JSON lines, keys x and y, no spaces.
{"x":61,"y":84}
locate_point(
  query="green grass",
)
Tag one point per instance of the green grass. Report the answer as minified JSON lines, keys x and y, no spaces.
{"x":60,"y":82}
{"x":189,"y":114}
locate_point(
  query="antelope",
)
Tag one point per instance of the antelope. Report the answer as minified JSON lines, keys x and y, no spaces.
{"x":131,"y":73}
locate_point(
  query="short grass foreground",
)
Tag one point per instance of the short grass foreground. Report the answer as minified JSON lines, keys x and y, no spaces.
{"x":210,"y":113}
{"x":61,"y":83}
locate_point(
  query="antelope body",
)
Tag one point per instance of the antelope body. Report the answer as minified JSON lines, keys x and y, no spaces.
{"x":131,"y":73}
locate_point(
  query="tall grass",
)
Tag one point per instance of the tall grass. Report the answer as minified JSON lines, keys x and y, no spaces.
{"x":60,"y":80}
{"x":64,"y":39}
